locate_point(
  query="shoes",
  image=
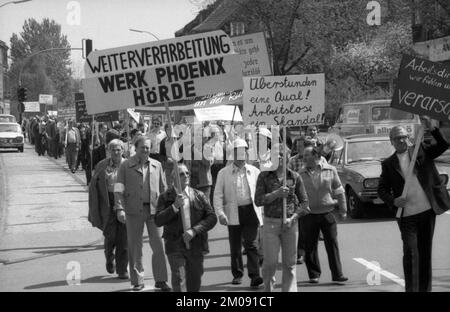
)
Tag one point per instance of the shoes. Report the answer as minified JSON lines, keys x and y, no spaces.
{"x":123,"y":276}
{"x":256,"y":281}
{"x":340,"y":279}
{"x":244,"y":252}
{"x":163,"y":286}
{"x":314,"y":280}
{"x":236,"y":281}
{"x":138,"y":287}
{"x":110,"y":267}
{"x":300,"y":260}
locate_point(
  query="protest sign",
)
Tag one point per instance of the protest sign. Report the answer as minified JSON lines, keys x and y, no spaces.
{"x":46,"y":99}
{"x":32,"y":107}
{"x":66,"y":113}
{"x":83,"y":116}
{"x":423,"y":88}
{"x":133,"y":114}
{"x":254,"y":56}
{"x":295,"y":100}
{"x":161,"y":72}
{"x":211,"y":100}
{"x":222,"y":112}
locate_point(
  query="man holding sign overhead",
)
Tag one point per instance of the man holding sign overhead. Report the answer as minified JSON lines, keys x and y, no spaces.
{"x":425,"y":197}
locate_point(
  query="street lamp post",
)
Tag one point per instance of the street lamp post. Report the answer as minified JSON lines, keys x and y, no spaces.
{"x":14,"y":2}
{"x":144,"y":31}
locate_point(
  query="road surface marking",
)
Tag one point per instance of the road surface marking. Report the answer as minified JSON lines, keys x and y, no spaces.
{"x":380,"y":271}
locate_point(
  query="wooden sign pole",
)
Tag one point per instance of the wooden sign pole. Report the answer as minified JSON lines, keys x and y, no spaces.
{"x":177,"y":181}
{"x":284,"y":175}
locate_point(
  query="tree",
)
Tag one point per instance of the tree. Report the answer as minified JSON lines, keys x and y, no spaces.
{"x":47,"y":73}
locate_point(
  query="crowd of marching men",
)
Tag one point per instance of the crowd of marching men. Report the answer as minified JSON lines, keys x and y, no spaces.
{"x":236,"y":181}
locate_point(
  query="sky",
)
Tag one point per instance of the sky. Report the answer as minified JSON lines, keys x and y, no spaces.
{"x":106,"y":22}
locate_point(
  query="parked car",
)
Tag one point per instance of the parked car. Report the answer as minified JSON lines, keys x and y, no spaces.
{"x":359,"y":168}
{"x":7,"y":118}
{"x":11,"y":136}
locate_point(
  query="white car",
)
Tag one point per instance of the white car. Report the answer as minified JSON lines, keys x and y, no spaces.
{"x":11,"y":136}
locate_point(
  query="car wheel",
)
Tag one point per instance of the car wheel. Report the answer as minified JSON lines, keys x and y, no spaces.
{"x":354,"y":205}
{"x":21,"y":149}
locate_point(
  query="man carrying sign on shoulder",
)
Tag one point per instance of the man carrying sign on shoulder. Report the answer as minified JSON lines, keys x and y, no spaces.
{"x":426,"y":197}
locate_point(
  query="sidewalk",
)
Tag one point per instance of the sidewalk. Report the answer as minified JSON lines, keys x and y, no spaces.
{"x":46,"y":208}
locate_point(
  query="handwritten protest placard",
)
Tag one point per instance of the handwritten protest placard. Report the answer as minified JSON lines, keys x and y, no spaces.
{"x":161,"y":72}
{"x":254,"y":56}
{"x":423,"y":88}
{"x":295,"y":100}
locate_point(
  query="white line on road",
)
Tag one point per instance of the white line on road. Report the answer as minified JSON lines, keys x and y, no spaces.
{"x":380,"y":271}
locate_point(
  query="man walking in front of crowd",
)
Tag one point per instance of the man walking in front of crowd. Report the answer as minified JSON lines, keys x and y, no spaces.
{"x":426,"y":197}
{"x":73,"y":142}
{"x":322,"y":182}
{"x":139,"y":183}
{"x":185,"y":249}
{"x":234,"y":195}
{"x":102,"y":214}
{"x":276,"y":233}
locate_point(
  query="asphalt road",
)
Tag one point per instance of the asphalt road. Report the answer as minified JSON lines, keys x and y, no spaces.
{"x":47,"y":244}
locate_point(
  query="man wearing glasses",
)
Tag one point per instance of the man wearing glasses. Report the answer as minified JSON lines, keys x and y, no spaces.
{"x":426,"y":197}
{"x":156,"y":136}
{"x":185,"y":249}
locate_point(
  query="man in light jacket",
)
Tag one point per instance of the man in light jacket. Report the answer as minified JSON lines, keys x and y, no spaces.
{"x":139,"y":183}
{"x":234,"y":195}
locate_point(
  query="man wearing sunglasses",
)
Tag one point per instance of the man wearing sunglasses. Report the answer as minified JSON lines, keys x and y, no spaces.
{"x":185,"y":249}
{"x":426,"y":197}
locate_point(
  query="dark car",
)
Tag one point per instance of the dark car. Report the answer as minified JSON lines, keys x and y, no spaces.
{"x":359,"y":168}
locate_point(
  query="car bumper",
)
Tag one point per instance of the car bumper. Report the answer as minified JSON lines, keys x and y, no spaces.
{"x":370,"y":196}
{"x":10,"y":145}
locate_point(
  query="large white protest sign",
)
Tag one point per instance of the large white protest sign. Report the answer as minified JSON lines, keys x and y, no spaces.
{"x":46,"y":99}
{"x":294,"y":100}
{"x":31,"y":107}
{"x":161,"y":71}
{"x":254,"y":56}
{"x":221,"y":112}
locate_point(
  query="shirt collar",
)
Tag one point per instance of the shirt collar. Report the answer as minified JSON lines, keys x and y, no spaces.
{"x":236,"y":169}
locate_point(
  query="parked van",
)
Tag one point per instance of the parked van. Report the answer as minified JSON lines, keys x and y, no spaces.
{"x":375,"y":116}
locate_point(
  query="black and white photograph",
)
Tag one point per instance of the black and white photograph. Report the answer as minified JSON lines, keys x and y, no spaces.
{"x":240,"y":148}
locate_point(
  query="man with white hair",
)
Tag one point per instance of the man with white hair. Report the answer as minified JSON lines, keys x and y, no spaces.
{"x":427,"y":196}
{"x":102,"y":214}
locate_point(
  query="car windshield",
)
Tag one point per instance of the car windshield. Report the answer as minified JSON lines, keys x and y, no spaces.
{"x":7,"y":119}
{"x":388,"y":113}
{"x":369,"y":151}
{"x":10,"y":128}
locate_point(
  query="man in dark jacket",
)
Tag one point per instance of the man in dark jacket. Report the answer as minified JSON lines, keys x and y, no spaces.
{"x":185,"y":249}
{"x":416,"y":213}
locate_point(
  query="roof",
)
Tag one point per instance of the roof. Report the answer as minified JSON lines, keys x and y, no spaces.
{"x":367,"y":137}
{"x":218,"y":17}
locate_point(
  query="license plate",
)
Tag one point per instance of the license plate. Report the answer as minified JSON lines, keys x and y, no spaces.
{"x":378,"y":201}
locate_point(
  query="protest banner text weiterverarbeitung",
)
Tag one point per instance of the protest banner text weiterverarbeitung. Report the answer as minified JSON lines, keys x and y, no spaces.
{"x":161,"y":72}
{"x":423,"y":88}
